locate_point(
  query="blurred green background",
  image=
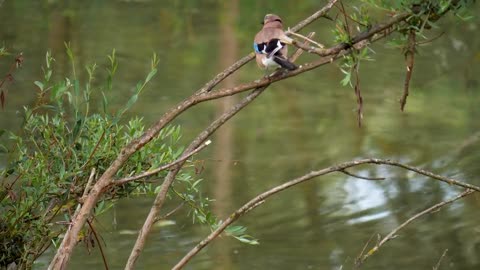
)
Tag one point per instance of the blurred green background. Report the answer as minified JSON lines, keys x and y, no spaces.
{"x":297,"y":125}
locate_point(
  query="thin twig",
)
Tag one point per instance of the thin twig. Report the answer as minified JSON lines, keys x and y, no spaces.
{"x":337,"y":168}
{"x":423,"y":42}
{"x":299,"y":51}
{"x":358,"y":92}
{"x":305,"y":38}
{"x":183,"y":158}
{"x":171,"y":212}
{"x":365,"y":247}
{"x":440,"y":260}
{"x":393,"y":233}
{"x":104,"y":259}
{"x":409,"y":61}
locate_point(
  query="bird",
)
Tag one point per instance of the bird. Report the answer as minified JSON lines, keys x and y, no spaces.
{"x":270,"y":45}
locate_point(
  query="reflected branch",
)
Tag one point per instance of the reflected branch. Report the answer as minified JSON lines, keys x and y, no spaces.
{"x":440,"y":260}
{"x":259,"y":199}
{"x":362,"y":177}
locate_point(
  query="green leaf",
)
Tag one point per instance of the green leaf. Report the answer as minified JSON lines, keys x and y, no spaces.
{"x":76,"y":88}
{"x":346,"y":80}
{"x":39,"y":84}
{"x":247,"y":239}
{"x":150,"y":75}
{"x":131,"y":101}
{"x":76,"y":130}
{"x":3,"y":149}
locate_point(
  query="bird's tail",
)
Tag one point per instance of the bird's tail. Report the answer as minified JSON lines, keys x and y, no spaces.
{"x":284,"y":63}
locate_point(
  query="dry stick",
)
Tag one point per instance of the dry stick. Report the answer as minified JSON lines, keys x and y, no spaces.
{"x":337,"y":168}
{"x":150,"y":172}
{"x":440,"y":260}
{"x":64,"y":252}
{"x":409,"y":61}
{"x":393,"y":233}
{"x":160,"y":199}
{"x":358,"y":94}
{"x":309,"y":39}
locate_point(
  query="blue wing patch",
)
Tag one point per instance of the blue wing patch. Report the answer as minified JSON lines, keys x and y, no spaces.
{"x":259,"y":48}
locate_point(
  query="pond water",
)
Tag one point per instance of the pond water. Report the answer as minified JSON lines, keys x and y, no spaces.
{"x":298,"y":125}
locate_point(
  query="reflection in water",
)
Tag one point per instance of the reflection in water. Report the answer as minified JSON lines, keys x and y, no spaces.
{"x":301,"y":124}
{"x":224,"y":140}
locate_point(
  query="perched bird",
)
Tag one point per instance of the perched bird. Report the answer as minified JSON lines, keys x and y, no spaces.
{"x":270,"y":45}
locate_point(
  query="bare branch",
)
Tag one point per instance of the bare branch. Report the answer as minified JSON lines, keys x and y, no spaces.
{"x":171,"y":212}
{"x":309,"y":39}
{"x":337,"y":168}
{"x":148,"y":173}
{"x":358,"y":93}
{"x":104,"y":259}
{"x":393,"y":233}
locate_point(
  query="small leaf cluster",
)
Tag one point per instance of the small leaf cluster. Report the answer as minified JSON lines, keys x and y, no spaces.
{"x":200,"y":208}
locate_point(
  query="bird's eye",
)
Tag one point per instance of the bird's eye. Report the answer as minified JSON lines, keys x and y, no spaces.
{"x":262,"y":22}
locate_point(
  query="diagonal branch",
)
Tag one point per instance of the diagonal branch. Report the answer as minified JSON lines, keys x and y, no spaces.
{"x":393,"y":233}
{"x":161,"y":196}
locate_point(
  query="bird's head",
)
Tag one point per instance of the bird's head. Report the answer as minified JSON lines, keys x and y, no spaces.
{"x":272,"y":20}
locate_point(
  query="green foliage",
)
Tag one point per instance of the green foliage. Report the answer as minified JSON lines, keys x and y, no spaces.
{"x":200,"y":208}
{"x":425,"y":13}
{"x":61,"y":142}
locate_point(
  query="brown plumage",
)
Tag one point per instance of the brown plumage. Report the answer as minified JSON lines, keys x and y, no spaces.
{"x":272,"y":30}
